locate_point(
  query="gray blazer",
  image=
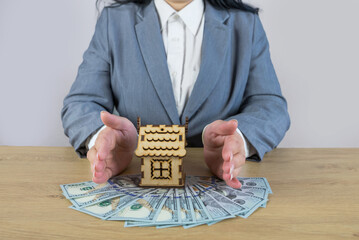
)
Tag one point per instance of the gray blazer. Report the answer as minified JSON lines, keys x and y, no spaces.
{"x":125,"y":67}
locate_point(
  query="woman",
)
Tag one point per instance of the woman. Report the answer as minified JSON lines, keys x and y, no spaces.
{"x":165,"y":60}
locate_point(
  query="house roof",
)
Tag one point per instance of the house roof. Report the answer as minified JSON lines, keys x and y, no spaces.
{"x":161,"y":141}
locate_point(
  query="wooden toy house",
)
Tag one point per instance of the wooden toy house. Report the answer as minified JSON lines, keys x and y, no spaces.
{"x":161,"y":149}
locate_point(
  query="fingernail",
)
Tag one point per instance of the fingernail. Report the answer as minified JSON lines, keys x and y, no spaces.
{"x":231,"y":170}
{"x":98,"y":156}
{"x":231,"y":157}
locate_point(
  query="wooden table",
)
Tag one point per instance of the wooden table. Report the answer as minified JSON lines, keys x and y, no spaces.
{"x":316,"y":196}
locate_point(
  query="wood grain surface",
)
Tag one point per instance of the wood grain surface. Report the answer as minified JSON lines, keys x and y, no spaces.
{"x":316,"y":196}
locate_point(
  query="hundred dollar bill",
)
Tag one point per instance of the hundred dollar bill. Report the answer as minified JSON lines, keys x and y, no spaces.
{"x":186,"y":209}
{"x":246,"y":182}
{"x":211,"y":180}
{"x":107,"y":208}
{"x":138,"y":224}
{"x":126,"y":181}
{"x":233,"y":207}
{"x":170,"y":212}
{"x":82,"y":189}
{"x":201,"y":213}
{"x":249,"y":202}
{"x":93,"y":199}
{"x":145,"y":208}
{"x":256,"y":191}
{"x":188,"y":214}
{"x":215,"y":209}
{"x":256,"y":182}
{"x":168,"y":215}
{"x":261,"y":185}
{"x":167,"y":226}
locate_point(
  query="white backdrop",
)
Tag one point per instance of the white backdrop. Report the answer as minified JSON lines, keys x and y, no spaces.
{"x":314,"y":48}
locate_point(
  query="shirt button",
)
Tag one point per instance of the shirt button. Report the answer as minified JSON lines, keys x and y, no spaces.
{"x":175,"y":17}
{"x":174,"y":74}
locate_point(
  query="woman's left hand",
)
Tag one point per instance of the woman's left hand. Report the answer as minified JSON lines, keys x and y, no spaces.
{"x":224,"y":151}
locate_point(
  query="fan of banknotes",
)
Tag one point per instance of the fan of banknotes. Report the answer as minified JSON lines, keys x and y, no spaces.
{"x":204,"y":200}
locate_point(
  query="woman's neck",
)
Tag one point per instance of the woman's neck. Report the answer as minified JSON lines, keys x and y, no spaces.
{"x":178,"y":4}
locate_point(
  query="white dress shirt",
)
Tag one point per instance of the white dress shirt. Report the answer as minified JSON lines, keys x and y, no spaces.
{"x":182,"y":34}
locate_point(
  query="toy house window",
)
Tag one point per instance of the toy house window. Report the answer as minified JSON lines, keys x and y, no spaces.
{"x":161,"y":169}
{"x":142,"y":137}
{"x":180,"y":137}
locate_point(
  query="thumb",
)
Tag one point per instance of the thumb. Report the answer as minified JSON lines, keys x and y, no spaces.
{"x":115,"y":122}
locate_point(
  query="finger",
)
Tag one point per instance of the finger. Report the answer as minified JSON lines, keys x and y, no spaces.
{"x":91,"y":156}
{"x":105,"y":143}
{"x":102,"y":177}
{"x":233,"y":145}
{"x":225,"y":127}
{"x":115,"y":122}
{"x":231,"y":179}
{"x":234,"y":183}
{"x":232,"y":154}
{"x":236,"y":172}
{"x":100,"y":164}
{"x":233,"y":172}
{"x":237,"y":161}
{"x":227,"y":167}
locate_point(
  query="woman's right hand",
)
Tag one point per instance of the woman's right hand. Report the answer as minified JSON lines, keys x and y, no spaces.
{"x":113,"y":149}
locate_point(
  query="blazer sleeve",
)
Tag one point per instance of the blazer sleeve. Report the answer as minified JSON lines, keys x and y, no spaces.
{"x":263,"y":117}
{"x":91,"y":91}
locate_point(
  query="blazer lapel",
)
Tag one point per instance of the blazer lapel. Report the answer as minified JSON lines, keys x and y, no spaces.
{"x":151,"y":44}
{"x":215,"y":45}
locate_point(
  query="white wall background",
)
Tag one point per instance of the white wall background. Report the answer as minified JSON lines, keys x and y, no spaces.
{"x":314,"y":48}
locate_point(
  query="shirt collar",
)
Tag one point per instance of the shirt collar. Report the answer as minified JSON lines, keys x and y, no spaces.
{"x":191,"y":14}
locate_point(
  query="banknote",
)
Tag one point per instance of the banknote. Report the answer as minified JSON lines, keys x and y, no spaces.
{"x":215,"y":209}
{"x":186,"y":209}
{"x":107,"y":208}
{"x":246,"y":182}
{"x":82,"y":189}
{"x":203,"y":200}
{"x":169,"y":213}
{"x":93,"y":199}
{"x":193,"y":211}
{"x":201,"y":213}
{"x":210,"y":180}
{"x":231,"y":206}
{"x":249,"y":202}
{"x":126,"y":181}
{"x":255,"y":182}
{"x":145,"y":208}
{"x":256,"y":191}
